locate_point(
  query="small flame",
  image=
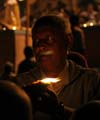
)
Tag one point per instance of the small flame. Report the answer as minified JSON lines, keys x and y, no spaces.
{"x":47,"y":81}
{"x":50,"y":80}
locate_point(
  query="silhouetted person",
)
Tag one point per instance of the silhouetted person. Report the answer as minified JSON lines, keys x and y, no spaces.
{"x":79,"y":44}
{"x":14,"y":102}
{"x":8,"y":73}
{"x":28,"y":63}
{"x":90,"y":13}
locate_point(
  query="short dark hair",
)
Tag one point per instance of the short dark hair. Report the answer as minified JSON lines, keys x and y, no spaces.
{"x":50,"y":20}
{"x":28,"y":51}
{"x":55,"y":22}
{"x":74,"y":20}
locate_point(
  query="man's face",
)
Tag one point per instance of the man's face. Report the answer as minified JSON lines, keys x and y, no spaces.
{"x":49,"y":50}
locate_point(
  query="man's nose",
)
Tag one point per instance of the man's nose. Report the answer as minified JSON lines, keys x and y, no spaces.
{"x":42,"y":47}
{"x":42,"y":44}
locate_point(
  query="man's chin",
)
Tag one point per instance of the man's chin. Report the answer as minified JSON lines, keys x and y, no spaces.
{"x":45,"y":64}
{"x":44,"y":59}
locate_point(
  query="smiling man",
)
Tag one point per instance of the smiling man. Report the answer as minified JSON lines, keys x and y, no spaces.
{"x":51,"y":41}
{"x":47,"y":46}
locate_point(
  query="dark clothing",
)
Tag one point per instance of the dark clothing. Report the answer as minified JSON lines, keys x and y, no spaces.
{"x":8,"y":76}
{"x":25,"y":66}
{"x":78,"y":43}
{"x":83,"y":86}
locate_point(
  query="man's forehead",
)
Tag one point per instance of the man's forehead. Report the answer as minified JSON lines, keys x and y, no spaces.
{"x":45,"y":31}
{"x":45,"y":28}
{"x":45,"y":35}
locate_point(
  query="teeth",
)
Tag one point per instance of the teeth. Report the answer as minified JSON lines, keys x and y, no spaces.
{"x":47,"y":53}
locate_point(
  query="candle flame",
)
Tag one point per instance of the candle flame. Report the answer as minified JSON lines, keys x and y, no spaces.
{"x":47,"y":81}
{"x":50,"y":80}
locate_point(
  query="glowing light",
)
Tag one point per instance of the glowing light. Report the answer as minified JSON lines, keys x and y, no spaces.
{"x":84,"y":25}
{"x":14,"y":28}
{"x":50,"y":80}
{"x":91,"y":24}
{"x":47,"y":81}
{"x":4,"y":28}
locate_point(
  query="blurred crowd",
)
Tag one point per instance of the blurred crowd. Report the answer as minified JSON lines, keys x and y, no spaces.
{"x":58,"y":54}
{"x":88,"y":13}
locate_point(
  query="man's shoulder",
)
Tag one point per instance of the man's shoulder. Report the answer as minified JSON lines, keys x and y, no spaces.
{"x":77,"y":70}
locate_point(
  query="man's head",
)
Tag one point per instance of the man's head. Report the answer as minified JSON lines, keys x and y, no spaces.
{"x":90,"y":7}
{"x":8,"y":68}
{"x":50,"y":43}
{"x":28,"y":52}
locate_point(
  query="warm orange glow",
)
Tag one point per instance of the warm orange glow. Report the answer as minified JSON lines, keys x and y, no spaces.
{"x":47,"y":81}
{"x":14,"y":28}
{"x":50,"y":80}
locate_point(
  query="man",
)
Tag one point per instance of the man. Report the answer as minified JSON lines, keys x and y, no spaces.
{"x":28,"y":62}
{"x":77,"y":85}
{"x":79,"y":44}
{"x":89,"y":14}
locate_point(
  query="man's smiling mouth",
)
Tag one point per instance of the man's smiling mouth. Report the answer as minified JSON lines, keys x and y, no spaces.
{"x":46,"y":53}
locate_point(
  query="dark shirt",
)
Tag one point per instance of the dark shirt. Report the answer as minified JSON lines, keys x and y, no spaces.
{"x":25,"y":66}
{"x":83,"y":86}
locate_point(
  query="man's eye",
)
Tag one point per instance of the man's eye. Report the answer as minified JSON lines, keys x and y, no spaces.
{"x":36,"y":41}
{"x":50,"y":40}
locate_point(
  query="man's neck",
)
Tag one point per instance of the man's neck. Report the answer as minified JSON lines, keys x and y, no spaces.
{"x":54,"y":72}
